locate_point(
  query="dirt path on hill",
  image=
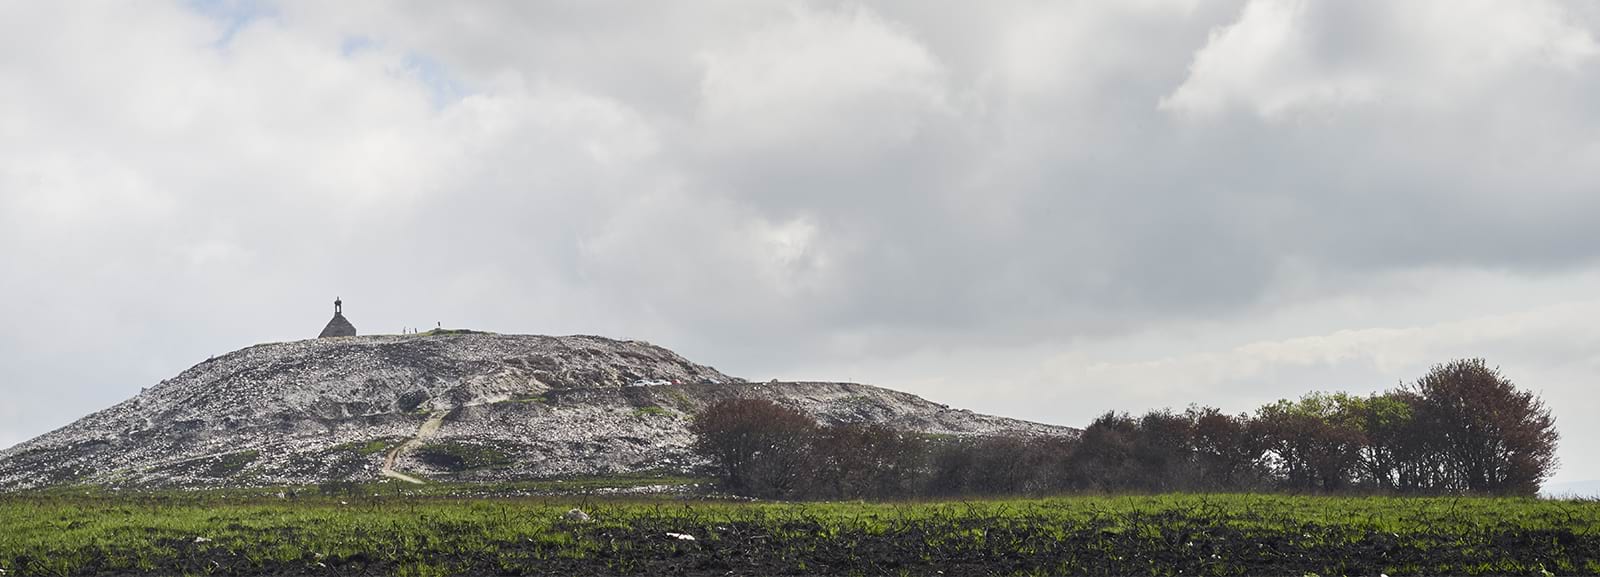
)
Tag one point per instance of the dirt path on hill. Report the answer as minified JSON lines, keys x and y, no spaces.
{"x":426,"y":430}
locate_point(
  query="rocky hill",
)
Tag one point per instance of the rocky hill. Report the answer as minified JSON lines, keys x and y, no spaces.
{"x":457,"y":406}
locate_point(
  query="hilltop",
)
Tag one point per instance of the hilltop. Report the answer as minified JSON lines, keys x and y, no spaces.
{"x":447,"y":405}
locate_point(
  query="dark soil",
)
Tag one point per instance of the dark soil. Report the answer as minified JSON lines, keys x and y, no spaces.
{"x":1154,"y":545}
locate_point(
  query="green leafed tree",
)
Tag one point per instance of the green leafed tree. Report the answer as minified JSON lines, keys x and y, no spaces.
{"x":1315,"y":443}
{"x":1390,"y":457}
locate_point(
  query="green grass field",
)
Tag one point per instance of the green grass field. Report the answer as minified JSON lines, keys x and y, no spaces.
{"x":221,"y":532}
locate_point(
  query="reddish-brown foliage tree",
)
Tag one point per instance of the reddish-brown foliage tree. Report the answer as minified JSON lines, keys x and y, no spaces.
{"x":757,"y":447}
{"x":1163,"y":452}
{"x":1227,"y":455}
{"x":1103,"y":460}
{"x":1488,"y":436}
{"x":999,"y":465}
{"x":865,"y":460}
{"x":1462,"y":428}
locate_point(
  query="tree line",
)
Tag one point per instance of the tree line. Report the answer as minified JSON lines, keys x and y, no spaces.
{"x":1463,"y":428}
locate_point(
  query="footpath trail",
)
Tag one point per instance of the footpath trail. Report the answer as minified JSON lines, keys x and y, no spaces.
{"x":426,"y":430}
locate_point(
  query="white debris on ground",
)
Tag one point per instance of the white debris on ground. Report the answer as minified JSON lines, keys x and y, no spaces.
{"x":575,"y":515}
{"x":331,"y":410}
{"x":681,"y":536}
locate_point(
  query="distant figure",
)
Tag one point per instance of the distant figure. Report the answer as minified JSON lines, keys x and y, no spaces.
{"x":338,"y":305}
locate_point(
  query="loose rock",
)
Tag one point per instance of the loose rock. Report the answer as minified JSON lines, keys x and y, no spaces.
{"x":534,"y":407}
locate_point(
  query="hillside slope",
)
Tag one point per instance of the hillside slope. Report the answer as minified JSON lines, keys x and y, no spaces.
{"x":454,"y":406}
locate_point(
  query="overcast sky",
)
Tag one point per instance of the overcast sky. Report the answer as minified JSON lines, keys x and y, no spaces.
{"x":1036,"y":209}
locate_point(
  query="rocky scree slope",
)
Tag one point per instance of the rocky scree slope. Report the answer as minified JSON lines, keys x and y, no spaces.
{"x":506,"y":407}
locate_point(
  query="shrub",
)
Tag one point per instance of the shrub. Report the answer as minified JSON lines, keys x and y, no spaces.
{"x":864,"y":460}
{"x":456,"y":457}
{"x":756,"y":447}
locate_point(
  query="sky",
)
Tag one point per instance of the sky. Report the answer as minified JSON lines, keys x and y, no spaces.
{"x":1038,"y":209}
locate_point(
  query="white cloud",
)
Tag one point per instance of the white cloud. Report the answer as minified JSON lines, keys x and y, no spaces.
{"x":1262,"y":61}
{"x":835,"y":83}
{"x":1561,"y":330}
{"x":792,"y":257}
{"x":1287,"y":56}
